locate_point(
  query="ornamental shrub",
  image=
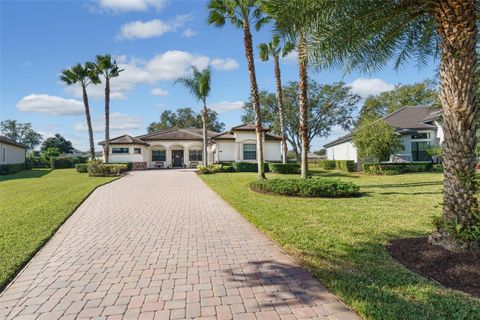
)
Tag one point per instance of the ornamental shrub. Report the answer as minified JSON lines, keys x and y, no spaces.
{"x":284,"y":168}
{"x":345,"y":165}
{"x":96,"y":168}
{"x":320,"y":187}
{"x":81,"y":167}
{"x":11,"y":168}
{"x":327,"y":164}
{"x":128,"y":164}
{"x":247,"y":166}
{"x":397,"y":168}
{"x":66,"y":162}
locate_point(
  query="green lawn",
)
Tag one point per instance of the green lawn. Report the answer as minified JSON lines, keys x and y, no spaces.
{"x":33,"y":205}
{"x":342,"y":241}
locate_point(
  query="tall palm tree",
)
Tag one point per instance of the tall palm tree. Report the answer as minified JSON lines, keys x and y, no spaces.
{"x":369,"y":34}
{"x":291,"y":20}
{"x":244,"y":14}
{"x":109,"y":69}
{"x":274,"y":50}
{"x":199,"y":85}
{"x":83,"y":75}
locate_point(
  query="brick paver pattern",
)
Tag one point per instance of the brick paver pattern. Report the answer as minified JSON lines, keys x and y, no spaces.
{"x":162,"y":245}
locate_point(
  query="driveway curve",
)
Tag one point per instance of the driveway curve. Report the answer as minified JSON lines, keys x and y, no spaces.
{"x":162,"y":245}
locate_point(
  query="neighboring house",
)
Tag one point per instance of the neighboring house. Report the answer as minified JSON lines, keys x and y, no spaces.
{"x":418,"y":126}
{"x":11,"y":152}
{"x":183,"y":147}
{"x":313,"y":157}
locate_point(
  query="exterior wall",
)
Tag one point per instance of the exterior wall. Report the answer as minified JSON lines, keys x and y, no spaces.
{"x":272,"y":150}
{"x":170,"y":145}
{"x":225,"y":151}
{"x":343,"y":151}
{"x":127,"y":157}
{"x":11,"y":154}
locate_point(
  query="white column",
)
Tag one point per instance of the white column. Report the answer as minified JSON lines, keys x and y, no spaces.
{"x":186,"y":154}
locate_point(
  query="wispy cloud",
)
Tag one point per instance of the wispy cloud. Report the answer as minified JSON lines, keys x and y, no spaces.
{"x":226,"y":106}
{"x":365,"y":87}
{"x":224,"y":64}
{"x":118,"y":122}
{"x":116,"y":6}
{"x":53,"y":105}
{"x":159,"y":92}
{"x":153,"y":28}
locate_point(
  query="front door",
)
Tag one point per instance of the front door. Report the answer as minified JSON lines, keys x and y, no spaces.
{"x":177,"y":158}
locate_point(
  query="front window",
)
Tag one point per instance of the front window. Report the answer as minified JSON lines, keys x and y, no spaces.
{"x":419,"y":151}
{"x":195,"y":155}
{"x":137,"y":150}
{"x":158,"y":155}
{"x":119,"y":150}
{"x":421,"y":135}
{"x":249,"y":152}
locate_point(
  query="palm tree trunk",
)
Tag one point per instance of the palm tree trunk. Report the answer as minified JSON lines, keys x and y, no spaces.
{"x":255,"y":99}
{"x":89,"y":122}
{"x":106,"y":149}
{"x":456,"y":21}
{"x":278,"y":80}
{"x":302,"y":68}
{"x":205,"y":137}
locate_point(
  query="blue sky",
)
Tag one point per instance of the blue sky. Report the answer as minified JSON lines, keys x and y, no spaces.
{"x":156,"y":41}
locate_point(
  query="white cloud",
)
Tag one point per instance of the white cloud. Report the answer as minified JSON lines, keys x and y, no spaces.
{"x":224,"y":64}
{"x":225,"y":106}
{"x":159,"y":92}
{"x":292,"y":57}
{"x":118,"y":122}
{"x":167,"y":66}
{"x":130,"y":5}
{"x":365,"y":87}
{"x":188,"y":33}
{"x":44,"y":103}
{"x":152,"y":28}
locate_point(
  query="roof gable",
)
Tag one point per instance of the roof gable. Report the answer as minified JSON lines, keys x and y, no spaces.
{"x":177,"y":134}
{"x":12,"y":142}
{"x":125,"y":139}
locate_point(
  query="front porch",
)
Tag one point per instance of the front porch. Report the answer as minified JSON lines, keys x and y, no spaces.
{"x":174,"y":156}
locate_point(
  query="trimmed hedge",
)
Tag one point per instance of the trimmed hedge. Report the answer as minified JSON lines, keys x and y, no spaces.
{"x":97,"y":168}
{"x":321,"y":187}
{"x":327,"y":164}
{"x":81,"y":167}
{"x":345,"y":165}
{"x":68,"y":162}
{"x":11,"y":168}
{"x":397,"y":168}
{"x":247,"y":166}
{"x":284,"y":168}
{"x":214,"y":168}
{"x":128,"y":164}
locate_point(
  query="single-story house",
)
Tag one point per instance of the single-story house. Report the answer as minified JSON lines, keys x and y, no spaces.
{"x":418,"y":126}
{"x":176,"y":148}
{"x":11,"y":152}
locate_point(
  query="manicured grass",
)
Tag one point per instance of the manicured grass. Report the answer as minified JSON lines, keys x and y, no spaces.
{"x":342,"y":241}
{"x":33,"y":205}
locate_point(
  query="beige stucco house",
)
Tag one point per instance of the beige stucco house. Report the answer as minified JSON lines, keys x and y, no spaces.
{"x":175,"y":148}
{"x":11,"y":152}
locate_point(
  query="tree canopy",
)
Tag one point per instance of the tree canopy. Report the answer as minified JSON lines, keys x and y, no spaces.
{"x":21,"y":133}
{"x":186,"y":118}
{"x":58,"y":142}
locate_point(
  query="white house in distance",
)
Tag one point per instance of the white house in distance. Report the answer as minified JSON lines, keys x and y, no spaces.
{"x":11,"y":152}
{"x":419,"y":128}
{"x":176,"y":148}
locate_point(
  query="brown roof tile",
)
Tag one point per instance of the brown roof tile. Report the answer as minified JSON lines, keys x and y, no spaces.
{"x":125,"y":139}
{"x":12,"y":142}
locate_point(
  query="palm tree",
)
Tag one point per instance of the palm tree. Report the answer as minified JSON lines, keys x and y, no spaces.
{"x":199,"y":85}
{"x":244,"y":14}
{"x":369,"y":34}
{"x":84,"y":75}
{"x":108,"y":69}
{"x":291,"y":20}
{"x":274,"y":49}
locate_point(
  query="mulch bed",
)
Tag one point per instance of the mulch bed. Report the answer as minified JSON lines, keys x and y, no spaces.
{"x":460,"y":271}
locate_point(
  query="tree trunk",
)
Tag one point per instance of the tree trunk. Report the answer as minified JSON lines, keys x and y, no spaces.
{"x":278,"y":80}
{"x":205,"y":136}
{"x":89,"y":122}
{"x":255,"y":99}
{"x":456,"y":22}
{"x":106,"y":148}
{"x":302,"y":68}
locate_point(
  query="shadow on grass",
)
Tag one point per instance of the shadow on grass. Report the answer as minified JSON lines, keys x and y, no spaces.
{"x":26,"y":174}
{"x":404,"y":185}
{"x":333,"y":174}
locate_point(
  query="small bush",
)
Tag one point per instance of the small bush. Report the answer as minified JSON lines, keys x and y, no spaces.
{"x":345,"y":165}
{"x":128,"y":164}
{"x":11,"y":168}
{"x":210,"y":169}
{"x":327,"y":164}
{"x":284,"y":168}
{"x":397,"y":168}
{"x":226,"y":168}
{"x":67,"y":162}
{"x":97,"y":168}
{"x":81,"y":167}
{"x":322,"y":187}
{"x":247,"y":166}
{"x":437,"y":168}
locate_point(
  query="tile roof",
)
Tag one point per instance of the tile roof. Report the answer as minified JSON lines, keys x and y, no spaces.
{"x":12,"y":142}
{"x":246,"y":127}
{"x":177,"y":134}
{"x":125,"y":139}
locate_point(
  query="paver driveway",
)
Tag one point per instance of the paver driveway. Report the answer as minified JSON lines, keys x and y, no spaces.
{"x":161,"y":244}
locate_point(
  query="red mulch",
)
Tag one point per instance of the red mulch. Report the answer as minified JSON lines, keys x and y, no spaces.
{"x":460,"y":271}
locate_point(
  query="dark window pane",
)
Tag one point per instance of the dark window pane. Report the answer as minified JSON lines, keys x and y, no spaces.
{"x":421,"y":135}
{"x":249,"y":151}
{"x":159,"y":155}
{"x":195,"y":155}
{"x":419,"y":151}
{"x":119,"y":150}
{"x":137,"y":150}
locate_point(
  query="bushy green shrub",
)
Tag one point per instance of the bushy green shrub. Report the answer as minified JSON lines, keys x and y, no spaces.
{"x":128,"y":164}
{"x":11,"y":168}
{"x":247,"y":166}
{"x":321,"y":187}
{"x":66,"y":162}
{"x":81,"y":167}
{"x":345,"y":165}
{"x":211,"y":168}
{"x":327,"y":164}
{"x":227,"y":168}
{"x":35,"y":161}
{"x":437,"y":168}
{"x":96,"y":168}
{"x":284,"y":168}
{"x":397,"y":168}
